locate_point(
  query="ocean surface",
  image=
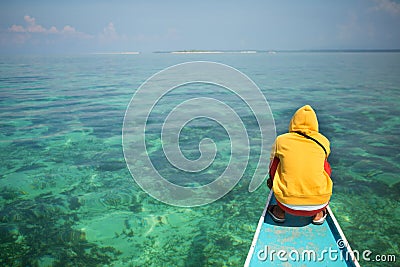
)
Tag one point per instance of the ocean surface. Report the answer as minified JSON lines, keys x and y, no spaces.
{"x":67,"y":197}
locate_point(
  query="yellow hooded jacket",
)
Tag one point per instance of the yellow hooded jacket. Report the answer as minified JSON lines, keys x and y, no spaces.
{"x":300,"y":178}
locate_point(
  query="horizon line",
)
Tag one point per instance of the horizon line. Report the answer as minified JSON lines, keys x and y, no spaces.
{"x":217,"y":51}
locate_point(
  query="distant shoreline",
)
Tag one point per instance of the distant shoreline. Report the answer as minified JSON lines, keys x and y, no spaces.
{"x":199,"y":52}
{"x":210,"y":52}
{"x":280,"y":51}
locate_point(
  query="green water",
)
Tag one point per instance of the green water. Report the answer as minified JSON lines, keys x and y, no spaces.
{"x":68,"y":199}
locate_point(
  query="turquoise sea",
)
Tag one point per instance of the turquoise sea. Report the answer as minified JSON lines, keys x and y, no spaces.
{"x":67,"y":197}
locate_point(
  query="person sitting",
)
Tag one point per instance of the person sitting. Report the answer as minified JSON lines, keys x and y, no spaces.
{"x":299,"y":171}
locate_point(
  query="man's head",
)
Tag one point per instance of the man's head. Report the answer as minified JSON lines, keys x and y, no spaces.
{"x":304,"y":120}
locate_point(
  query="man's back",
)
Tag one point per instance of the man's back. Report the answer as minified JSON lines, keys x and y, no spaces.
{"x":300,"y":178}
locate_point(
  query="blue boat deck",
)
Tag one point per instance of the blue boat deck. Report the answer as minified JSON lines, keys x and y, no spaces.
{"x":298,"y":242}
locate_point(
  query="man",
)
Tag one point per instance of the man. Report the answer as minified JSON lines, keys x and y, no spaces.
{"x":299,"y":171}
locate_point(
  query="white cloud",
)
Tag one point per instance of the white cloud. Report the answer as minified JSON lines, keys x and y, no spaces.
{"x":17,"y":28}
{"x":69,"y":29}
{"x":388,"y":6}
{"x":33,"y":27}
{"x":53,"y":30}
{"x":34,"y":33}
{"x":110,"y":31}
{"x":29,"y":20}
{"x":110,"y":34}
{"x":30,"y":27}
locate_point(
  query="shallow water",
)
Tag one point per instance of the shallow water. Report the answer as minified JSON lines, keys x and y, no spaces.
{"x":66,"y":195}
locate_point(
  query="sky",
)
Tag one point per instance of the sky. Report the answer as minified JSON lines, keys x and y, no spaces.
{"x":45,"y":26}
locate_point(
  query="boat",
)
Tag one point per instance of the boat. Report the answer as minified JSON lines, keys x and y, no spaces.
{"x":298,"y":242}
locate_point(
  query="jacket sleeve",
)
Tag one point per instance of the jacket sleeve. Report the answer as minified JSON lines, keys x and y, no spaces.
{"x":272,"y":167}
{"x":327,"y":167}
{"x":274,"y":161}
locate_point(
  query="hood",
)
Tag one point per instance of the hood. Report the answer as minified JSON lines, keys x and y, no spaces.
{"x":304,"y":120}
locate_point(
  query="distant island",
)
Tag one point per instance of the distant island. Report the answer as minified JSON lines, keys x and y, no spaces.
{"x":195,"y":51}
{"x":272,"y":51}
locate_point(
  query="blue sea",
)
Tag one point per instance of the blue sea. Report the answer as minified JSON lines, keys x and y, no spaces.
{"x":67,"y":197}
